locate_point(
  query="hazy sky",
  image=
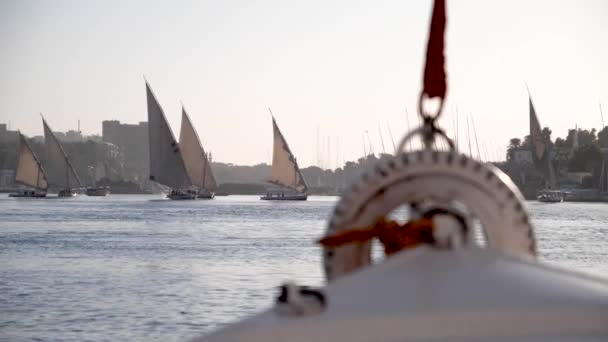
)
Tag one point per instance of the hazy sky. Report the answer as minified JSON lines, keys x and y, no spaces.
{"x":343,"y":66}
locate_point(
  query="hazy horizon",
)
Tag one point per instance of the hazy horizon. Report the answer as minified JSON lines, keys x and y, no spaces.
{"x":341,"y":67}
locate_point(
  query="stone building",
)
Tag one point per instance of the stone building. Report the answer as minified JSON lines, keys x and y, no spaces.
{"x":132,"y":140}
{"x":8,"y":136}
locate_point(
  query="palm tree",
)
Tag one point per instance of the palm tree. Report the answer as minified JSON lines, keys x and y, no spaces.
{"x":514,"y":144}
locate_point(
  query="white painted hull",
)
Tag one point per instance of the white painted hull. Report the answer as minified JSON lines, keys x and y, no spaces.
{"x":427,"y":294}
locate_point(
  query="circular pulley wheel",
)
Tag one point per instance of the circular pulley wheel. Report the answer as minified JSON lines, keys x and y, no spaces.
{"x":440,"y":177}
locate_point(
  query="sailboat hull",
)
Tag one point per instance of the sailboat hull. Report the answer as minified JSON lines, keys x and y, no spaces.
{"x":284,"y":197}
{"x":181,"y":195}
{"x":67,"y":193}
{"x":548,"y":196}
{"x":98,"y":191}
{"x":28,"y":194}
{"x":206,"y":195}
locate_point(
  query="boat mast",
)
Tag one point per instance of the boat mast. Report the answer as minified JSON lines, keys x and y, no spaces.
{"x":204,"y":169}
{"x":369,"y":141}
{"x":295,"y":173}
{"x":602,"y":116}
{"x":469,"y":137}
{"x":364,"y":147}
{"x":390,"y":133}
{"x":407,"y":122}
{"x":475,"y":133}
{"x":67,"y":175}
{"x":381,"y":139}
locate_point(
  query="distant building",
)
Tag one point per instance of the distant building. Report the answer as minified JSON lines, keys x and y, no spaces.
{"x":132,"y":140}
{"x":522,"y":155}
{"x":7,"y":136}
{"x":69,"y":136}
{"x":577,"y":177}
{"x":124,"y":134}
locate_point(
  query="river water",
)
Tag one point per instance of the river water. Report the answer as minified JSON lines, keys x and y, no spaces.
{"x":135,"y":268}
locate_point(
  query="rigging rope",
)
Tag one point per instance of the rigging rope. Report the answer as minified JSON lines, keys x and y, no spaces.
{"x":391,"y":234}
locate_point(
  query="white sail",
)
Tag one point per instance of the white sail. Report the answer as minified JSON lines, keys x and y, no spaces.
{"x":285,"y":171}
{"x":166,"y":163}
{"x":29,"y":170}
{"x":195,"y":158}
{"x":60,"y":171}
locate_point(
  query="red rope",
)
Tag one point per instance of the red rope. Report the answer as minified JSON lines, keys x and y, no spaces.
{"x":393,"y":235}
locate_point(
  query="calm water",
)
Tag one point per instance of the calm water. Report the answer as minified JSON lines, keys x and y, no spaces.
{"x":140,"y":268}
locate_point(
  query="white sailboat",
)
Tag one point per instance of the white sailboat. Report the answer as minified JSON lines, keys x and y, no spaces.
{"x":285,"y":173}
{"x":60,"y":172}
{"x":196,"y":160}
{"x":29,"y":172}
{"x":167,"y":165}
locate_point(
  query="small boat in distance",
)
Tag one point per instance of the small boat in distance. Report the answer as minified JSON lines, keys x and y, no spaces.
{"x":550,"y":196}
{"x":196,"y":160}
{"x":94,"y":190}
{"x":97,"y":191}
{"x":60,"y":171}
{"x":285,"y":173}
{"x":167,"y":165}
{"x":29,"y":172}
{"x":542,"y":158}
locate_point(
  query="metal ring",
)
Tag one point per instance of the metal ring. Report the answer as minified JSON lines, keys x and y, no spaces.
{"x":421,"y":131}
{"x":427,"y":116}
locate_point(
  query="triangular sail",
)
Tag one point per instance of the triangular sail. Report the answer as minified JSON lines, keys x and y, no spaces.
{"x":285,"y":171}
{"x":195,"y":158}
{"x":540,"y":148}
{"x":166,"y":163}
{"x":536,"y":135}
{"x":60,"y":171}
{"x":29,"y":170}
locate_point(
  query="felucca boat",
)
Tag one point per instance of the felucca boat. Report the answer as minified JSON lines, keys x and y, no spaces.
{"x":542,"y":158}
{"x":167,"y":165}
{"x":29,"y":172}
{"x":436,"y":283}
{"x":285,"y":173}
{"x":60,"y":172}
{"x":196,"y":160}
